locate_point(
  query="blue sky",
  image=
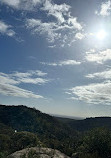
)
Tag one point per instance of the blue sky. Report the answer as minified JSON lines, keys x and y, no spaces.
{"x":56,"y":56}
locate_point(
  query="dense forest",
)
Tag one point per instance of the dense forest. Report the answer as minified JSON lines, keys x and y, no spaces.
{"x":22,"y":127}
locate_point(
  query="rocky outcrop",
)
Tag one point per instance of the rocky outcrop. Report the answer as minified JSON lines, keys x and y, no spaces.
{"x":75,"y":155}
{"x":35,"y":152}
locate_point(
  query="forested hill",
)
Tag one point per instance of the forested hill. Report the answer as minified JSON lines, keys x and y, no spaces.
{"x":49,"y":130}
{"x":23,"y":118}
{"x":87,"y":124}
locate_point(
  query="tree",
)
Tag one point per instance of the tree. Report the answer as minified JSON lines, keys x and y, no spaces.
{"x":22,"y":140}
{"x":97,"y":141}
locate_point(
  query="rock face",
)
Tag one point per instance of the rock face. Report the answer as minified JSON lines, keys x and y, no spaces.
{"x":75,"y":155}
{"x":36,"y":152}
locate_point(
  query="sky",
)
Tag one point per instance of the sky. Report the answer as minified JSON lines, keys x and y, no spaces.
{"x":56,"y":56}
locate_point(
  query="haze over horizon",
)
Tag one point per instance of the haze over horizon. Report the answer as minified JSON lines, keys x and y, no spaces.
{"x":56,"y":56}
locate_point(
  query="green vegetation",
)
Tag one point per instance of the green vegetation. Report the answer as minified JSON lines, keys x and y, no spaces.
{"x":87,"y":124}
{"x":33,"y":154}
{"x":23,"y":127}
{"x":51,"y":132}
{"x":22,"y":140}
{"x":96,"y":142}
{"x":17,"y":141}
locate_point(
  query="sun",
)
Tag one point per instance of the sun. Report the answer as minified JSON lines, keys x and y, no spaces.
{"x":101,"y":34}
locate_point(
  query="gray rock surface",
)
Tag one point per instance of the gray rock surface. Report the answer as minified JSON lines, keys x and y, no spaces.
{"x":35,"y":152}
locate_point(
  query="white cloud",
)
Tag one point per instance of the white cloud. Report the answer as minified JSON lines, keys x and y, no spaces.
{"x":29,"y":73}
{"x":99,"y":57}
{"x":62,"y":28}
{"x":22,"y":4}
{"x":12,"y":90}
{"x":69,"y":62}
{"x":13,"y":3}
{"x":50,"y":64}
{"x":92,"y":51}
{"x":6,"y":79}
{"x":79,"y":36}
{"x":33,"y":80}
{"x":73,"y":22}
{"x":47,"y":29}
{"x":54,"y":31}
{"x":9,"y":83}
{"x":58,"y":11}
{"x":40,"y":73}
{"x":30,"y":77}
{"x":100,"y":75}
{"x":63,"y":63}
{"x":105,"y":9}
{"x":97,"y":93}
{"x":52,"y":46}
{"x":6,"y":29}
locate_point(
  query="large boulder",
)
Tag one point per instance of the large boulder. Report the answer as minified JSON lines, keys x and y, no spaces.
{"x":35,"y":152}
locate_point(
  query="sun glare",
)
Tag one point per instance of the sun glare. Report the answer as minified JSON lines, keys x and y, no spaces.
{"x":101,"y":34}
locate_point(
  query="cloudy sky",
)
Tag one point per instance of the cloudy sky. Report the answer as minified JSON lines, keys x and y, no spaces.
{"x":56,"y":56}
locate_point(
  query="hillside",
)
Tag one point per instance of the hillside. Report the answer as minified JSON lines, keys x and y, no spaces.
{"x":87,"y":124}
{"x":22,"y":118}
{"x":51,"y":132}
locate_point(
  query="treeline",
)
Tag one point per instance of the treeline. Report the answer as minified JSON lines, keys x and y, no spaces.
{"x":88,"y":123}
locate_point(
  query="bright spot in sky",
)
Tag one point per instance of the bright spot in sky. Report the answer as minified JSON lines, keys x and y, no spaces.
{"x":101,"y":34}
